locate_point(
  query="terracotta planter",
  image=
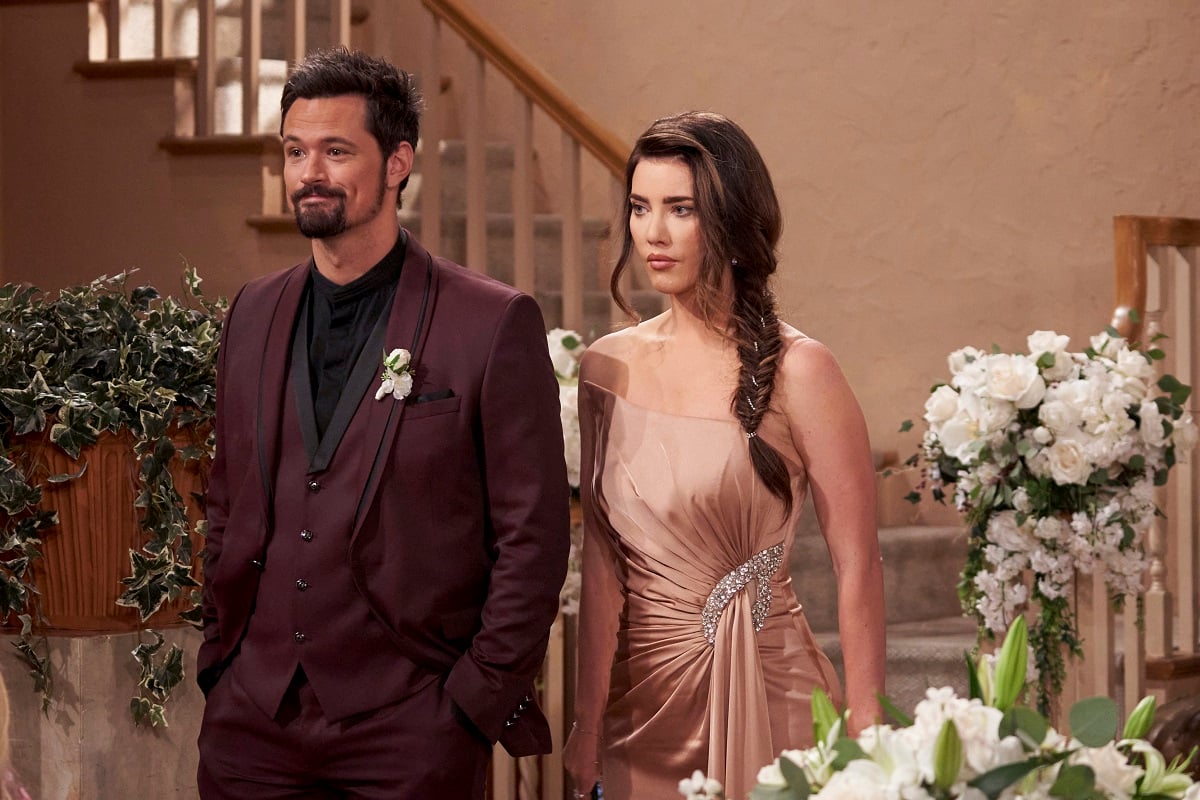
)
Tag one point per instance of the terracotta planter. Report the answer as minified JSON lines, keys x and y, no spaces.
{"x":87,"y":554}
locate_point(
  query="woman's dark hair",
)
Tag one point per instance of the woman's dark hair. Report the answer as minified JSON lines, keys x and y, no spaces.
{"x":394,"y":103}
{"x":740,"y":224}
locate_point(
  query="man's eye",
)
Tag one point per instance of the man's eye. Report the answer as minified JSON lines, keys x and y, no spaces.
{"x":336,"y":151}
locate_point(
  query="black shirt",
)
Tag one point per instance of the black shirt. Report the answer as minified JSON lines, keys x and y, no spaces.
{"x":340,"y":320}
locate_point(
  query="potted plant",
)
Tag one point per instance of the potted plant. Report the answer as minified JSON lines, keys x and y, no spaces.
{"x":108,"y":388}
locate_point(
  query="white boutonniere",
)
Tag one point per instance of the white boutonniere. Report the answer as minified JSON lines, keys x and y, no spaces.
{"x":397,"y":377}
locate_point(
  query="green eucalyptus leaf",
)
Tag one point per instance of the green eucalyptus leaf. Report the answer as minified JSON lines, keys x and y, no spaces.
{"x":1074,"y":782}
{"x":1179,"y":391}
{"x":1093,"y":721}
{"x":1026,"y":724}
{"x":993,"y":782}
{"x":846,"y":750}
{"x":793,"y":773}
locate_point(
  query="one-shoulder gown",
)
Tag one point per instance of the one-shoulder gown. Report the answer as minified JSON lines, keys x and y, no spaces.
{"x":715,"y":661}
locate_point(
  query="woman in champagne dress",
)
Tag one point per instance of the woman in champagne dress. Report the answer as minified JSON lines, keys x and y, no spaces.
{"x":704,"y":430}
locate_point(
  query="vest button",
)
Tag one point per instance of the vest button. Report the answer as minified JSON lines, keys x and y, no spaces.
{"x":314,"y":485}
{"x":300,"y":637}
{"x":306,"y":535}
{"x":301,"y":584}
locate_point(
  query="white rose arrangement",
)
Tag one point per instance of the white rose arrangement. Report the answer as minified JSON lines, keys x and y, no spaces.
{"x":566,"y":348}
{"x":1054,"y":457}
{"x":984,"y":747}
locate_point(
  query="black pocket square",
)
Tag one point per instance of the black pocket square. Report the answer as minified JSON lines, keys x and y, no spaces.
{"x":429,"y":397}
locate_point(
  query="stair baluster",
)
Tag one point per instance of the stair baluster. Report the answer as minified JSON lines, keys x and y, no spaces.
{"x":1156,"y":260}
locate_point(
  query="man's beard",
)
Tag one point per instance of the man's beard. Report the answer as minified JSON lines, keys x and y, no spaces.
{"x":325,"y":223}
{"x":320,"y":222}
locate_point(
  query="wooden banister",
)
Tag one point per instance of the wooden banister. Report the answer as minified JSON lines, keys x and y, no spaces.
{"x":1156,"y":261}
{"x":602,"y":144}
{"x":1131,"y":236}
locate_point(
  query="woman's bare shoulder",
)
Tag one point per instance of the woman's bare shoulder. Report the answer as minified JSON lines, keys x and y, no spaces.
{"x":607,"y":361}
{"x":804,"y":359}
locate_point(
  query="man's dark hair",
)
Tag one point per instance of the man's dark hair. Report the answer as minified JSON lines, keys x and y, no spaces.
{"x":394,"y":103}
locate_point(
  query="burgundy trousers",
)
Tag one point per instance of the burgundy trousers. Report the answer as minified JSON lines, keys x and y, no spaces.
{"x":416,"y":749}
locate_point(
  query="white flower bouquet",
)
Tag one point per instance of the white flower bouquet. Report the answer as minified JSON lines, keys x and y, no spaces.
{"x":984,"y":747}
{"x":566,"y":348}
{"x":1054,"y":457}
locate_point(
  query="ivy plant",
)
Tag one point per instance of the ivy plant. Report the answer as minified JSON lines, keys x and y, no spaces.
{"x":112,"y":357}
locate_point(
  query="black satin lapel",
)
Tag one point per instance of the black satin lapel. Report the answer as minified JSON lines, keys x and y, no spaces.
{"x":409,"y":328}
{"x":272,"y":377}
{"x":302,"y":384}
{"x":366,"y":369}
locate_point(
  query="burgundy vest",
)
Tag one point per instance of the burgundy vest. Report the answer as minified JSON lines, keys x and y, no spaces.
{"x":309,"y":612}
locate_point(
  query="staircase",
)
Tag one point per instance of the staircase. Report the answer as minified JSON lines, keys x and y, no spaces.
{"x":241,"y":127}
{"x":923,"y":548}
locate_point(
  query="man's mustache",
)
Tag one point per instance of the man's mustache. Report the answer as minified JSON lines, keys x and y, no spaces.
{"x":316,"y":191}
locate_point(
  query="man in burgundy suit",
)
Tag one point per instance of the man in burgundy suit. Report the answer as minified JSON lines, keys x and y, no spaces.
{"x":384,"y":556}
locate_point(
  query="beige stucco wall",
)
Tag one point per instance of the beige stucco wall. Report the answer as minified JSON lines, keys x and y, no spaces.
{"x":948,"y":170}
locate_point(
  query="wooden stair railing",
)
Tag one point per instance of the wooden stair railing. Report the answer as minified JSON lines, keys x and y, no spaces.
{"x":296,"y":33}
{"x":196,"y":133}
{"x":1157,"y":263}
{"x":579,"y":132}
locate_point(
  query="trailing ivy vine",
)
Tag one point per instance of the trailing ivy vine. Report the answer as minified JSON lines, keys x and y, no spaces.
{"x":100,"y":357}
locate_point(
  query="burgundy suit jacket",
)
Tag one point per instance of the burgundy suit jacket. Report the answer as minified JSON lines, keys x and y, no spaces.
{"x":460,"y":532}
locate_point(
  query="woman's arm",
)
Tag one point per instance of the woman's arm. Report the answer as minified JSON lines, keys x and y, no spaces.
{"x":599,"y":607}
{"x":830,"y":434}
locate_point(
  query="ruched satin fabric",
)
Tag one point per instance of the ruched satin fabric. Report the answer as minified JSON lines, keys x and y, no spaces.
{"x":678,"y":501}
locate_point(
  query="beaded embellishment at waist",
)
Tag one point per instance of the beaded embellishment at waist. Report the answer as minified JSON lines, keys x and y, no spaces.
{"x":759,"y":568}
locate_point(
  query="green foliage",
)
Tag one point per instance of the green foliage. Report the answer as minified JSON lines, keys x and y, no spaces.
{"x":158,"y":677}
{"x":1093,"y":721}
{"x":1140,"y":719}
{"x":95,"y":358}
{"x":1036,"y":762}
{"x":947,"y":757}
{"x":1010,"y":666}
{"x":824,"y":715}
